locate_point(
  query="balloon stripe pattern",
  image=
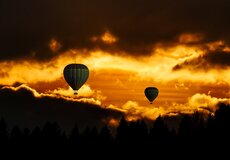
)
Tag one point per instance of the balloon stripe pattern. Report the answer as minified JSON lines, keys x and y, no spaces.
{"x":76,"y":75}
{"x":151,"y":93}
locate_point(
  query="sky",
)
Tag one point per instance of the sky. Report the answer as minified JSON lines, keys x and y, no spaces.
{"x":182,"y":47}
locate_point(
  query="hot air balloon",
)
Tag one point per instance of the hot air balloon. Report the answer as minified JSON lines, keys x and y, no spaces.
{"x":76,"y":75}
{"x":151,"y":93}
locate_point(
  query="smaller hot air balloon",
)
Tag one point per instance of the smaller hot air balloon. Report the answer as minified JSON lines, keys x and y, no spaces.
{"x":76,"y":75}
{"x":151,"y":93}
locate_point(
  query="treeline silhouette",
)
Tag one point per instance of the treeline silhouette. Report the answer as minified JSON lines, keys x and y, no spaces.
{"x":204,"y":132}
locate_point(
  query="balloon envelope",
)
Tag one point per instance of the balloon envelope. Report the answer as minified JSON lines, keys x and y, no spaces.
{"x":76,"y":75}
{"x":151,"y":93}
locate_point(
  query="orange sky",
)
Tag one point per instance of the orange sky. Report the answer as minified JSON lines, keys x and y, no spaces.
{"x":118,"y":80}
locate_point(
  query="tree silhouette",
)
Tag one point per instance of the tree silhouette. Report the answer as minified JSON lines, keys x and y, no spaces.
{"x":186,"y":127}
{"x":16,"y":136}
{"x":74,"y":137}
{"x":122,"y":135}
{"x":199,"y":130}
{"x":51,"y":136}
{"x":105,"y":137}
{"x":36,"y":136}
{"x":137,"y":133}
{"x":93,"y":137}
{"x":222,"y":126}
{"x":159,"y":134}
{"x":3,"y":131}
{"x":222,"y":116}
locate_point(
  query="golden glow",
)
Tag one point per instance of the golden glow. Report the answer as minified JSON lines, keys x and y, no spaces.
{"x":112,"y":122}
{"x":203,"y":100}
{"x":118,"y":82}
{"x":107,"y":37}
{"x":142,"y":68}
{"x":216,"y":45}
{"x":72,"y":97}
{"x":190,"y":38}
{"x":134,"y":111}
{"x":54,"y":45}
{"x":85,"y":91}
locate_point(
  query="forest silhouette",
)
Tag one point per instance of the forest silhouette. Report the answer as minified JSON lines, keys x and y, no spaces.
{"x":204,"y":132}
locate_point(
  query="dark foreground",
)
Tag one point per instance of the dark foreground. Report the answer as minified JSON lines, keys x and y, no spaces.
{"x":196,"y":135}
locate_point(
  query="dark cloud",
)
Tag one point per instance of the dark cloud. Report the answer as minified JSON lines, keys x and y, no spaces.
{"x":22,"y":107}
{"x":214,"y":59}
{"x":28,"y":26}
{"x":218,"y":58}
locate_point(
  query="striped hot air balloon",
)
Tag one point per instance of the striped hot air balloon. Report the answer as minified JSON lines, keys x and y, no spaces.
{"x":151,"y":93}
{"x":76,"y":75}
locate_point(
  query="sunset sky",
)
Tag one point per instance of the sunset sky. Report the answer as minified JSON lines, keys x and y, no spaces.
{"x":180,"y":47}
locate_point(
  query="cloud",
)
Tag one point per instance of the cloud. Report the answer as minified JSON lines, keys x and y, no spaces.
{"x":54,"y":45}
{"x":106,"y":38}
{"x":215,"y":56}
{"x":27,"y":27}
{"x":117,"y":79}
{"x":188,"y":38}
{"x":85,"y":94}
{"x":206,"y":101}
{"x":134,"y":111}
{"x":24,"y":106}
{"x":197,"y":102}
{"x":211,"y":60}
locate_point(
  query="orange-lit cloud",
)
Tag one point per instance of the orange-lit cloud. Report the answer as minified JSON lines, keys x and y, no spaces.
{"x":198,"y":102}
{"x":190,"y":38}
{"x":117,"y":81}
{"x":214,"y":57}
{"x":64,"y":94}
{"x":112,"y":122}
{"x":54,"y":45}
{"x":206,"y":101}
{"x":160,"y":63}
{"x":134,"y":111}
{"x":131,"y":109}
{"x":86,"y":93}
{"x":107,"y":38}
